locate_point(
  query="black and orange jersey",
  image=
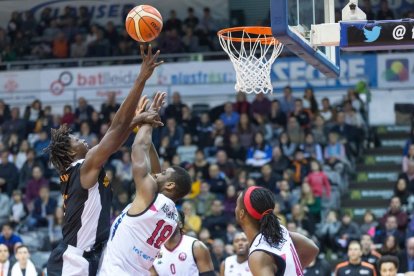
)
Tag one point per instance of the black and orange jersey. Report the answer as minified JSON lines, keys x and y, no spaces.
{"x":371,"y":258}
{"x":348,"y":269}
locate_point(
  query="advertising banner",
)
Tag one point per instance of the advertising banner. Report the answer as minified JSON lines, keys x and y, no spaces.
{"x":396,"y":71}
{"x":101,"y":11}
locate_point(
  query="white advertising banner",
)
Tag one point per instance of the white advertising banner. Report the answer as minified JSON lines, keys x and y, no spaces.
{"x":396,"y":70}
{"x":104,"y":10}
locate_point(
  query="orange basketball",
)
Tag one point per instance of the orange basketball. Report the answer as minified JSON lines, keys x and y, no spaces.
{"x":144,"y":23}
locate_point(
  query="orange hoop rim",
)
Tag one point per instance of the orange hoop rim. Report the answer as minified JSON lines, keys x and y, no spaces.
{"x":256,"y":30}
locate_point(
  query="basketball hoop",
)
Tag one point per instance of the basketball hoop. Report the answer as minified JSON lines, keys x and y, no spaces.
{"x":253,"y":59}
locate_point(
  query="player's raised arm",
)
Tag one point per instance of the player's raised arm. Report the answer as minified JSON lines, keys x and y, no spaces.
{"x":203,"y":259}
{"x":306,"y":248}
{"x":120,"y":126}
{"x":145,"y":185}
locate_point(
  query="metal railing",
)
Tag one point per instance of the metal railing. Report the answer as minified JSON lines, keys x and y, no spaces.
{"x":99,"y":61}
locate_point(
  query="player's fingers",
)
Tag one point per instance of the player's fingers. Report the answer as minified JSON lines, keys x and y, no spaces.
{"x":142,"y":51}
{"x":156,"y":64}
{"x":149,"y":52}
{"x":155,"y":57}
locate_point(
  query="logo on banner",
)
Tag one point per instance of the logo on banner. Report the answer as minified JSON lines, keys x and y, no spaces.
{"x":11,"y":85}
{"x":372,"y":35}
{"x":57,"y":87}
{"x":399,"y":32}
{"x":397,"y":70}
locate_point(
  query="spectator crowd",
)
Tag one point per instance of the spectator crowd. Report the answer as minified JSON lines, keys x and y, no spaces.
{"x":303,"y":151}
{"x":73,"y":33}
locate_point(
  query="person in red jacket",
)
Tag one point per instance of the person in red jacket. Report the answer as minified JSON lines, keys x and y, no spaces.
{"x":318,"y":181}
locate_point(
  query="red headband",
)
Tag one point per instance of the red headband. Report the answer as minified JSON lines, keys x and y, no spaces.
{"x":248,"y":204}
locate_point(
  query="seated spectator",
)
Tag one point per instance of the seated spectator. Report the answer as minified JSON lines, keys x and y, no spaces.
{"x":165,"y":150}
{"x":401,"y":191}
{"x":4,"y":207}
{"x":301,"y":115}
{"x":230,"y":118}
{"x":390,"y":246}
{"x":95,"y":123}
{"x":268,"y":179}
{"x":287,"y":102}
{"x":207,"y":24}
{"x":9,"y":238}
{"x":328,"y":231}
{"x":348,"y":231}
{"x":4,"y":109}
{"x":32,"y":114}
{"x":192,"y":221}
{"x":225,"y":165}
{"x":285,"y":197}
{"x":173,"y":22}
{"x":123,"y":170}
{"x":109,"y":106}
{"x":406,"y":257}
{"x":367,"y":8}
{"x":33,"y":186}
{"x":60,"y":46}
{"x":84,"y":111}
{"x":311,"y":149}
{"x":260,"y":153}
{"x":43,"y":210}
{"x":78,"y":48}
{"x":24,"y":266}
{"x":353,"y":117}
{"x":409,"y":157}
{"x":216,"y":223}
{"x":9,"y":174}
{"x":5,"y":264}
{"x":391,"y":228}
{"x":204,"y":130}
{"x":277,"y":118}
{"x":55,"y":228}
{"x":217,"y":181}
{"x":369,"y":224}
{"x":234,"y":150}
{"x":187,"y":151}
{"x":86,"y":134}
{"x":188,"y":122}
{"x":279,"y":162}
{"x":396,"y":211}
{"x":304,"y":224}
{"x":191,"y":21}
{"x":309,"y":101}
{"x":409,"y":142}
{"x":319,"y":266}
{"x":318,"y":181}
{"x":218,"y":254}
{"x":18,"y":211}
{"x":278,"y":213}
{"x":14,"y":125}
{"x":245,"y":130}
{"x":174,"y":132}
{"x":100,"y":47}
{"x":300,"y":167}
{"x":204,"y":200}
{"x":295,"y":132}
{"x":326,"y":111}
{"x":26,"y":171}
{"x":41,"y":143}
{"x":369,"y":254}
{"x":385,"y":13}
{"x":190,"y":41}
{"x":201,"y":165}
{"x":230,"y":201}
{"x":241,"y":106}
{"x":260,"y":105}
{"x":310,"y":203}
{"x":170,"y":42}
{"x":334,"y":153}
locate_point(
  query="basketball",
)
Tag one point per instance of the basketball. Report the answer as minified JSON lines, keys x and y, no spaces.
{"x":143,"y":23}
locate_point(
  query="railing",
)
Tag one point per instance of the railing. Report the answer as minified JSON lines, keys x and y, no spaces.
{"x":98,"y":61}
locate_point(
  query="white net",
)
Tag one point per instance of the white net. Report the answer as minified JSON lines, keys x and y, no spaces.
{"x":252,"y":60}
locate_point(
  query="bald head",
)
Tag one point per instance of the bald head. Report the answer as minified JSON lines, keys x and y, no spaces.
{"x":410,"y":247}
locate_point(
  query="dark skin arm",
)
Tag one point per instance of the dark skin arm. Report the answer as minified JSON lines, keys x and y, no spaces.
{"x":145,"y":185}
{"x":261,"y":263}
{"x":117,"y":133}
{"x":306,"y":248}
{"x":222,"y":268}
{"x":202,"y":257}
{"x":153,"y":272}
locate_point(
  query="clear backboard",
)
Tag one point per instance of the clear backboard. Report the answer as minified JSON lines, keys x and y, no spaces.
{"x":291,"y":22}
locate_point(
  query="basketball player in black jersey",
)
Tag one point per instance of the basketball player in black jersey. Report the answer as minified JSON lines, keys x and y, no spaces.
{"x":85,"y":189}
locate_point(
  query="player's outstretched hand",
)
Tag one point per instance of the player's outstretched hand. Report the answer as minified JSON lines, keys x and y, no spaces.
{"x":158,"y":102}
{"x":146,"y":117}
{"x":149,"y":62}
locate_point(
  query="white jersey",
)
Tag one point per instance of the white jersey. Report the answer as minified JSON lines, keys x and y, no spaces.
{"x":287,"y":259}
{"x":135,"y":241}
{"x":179,"y":261}
{"x":233,"y":268}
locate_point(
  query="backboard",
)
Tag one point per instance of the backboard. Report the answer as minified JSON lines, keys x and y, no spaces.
{"x":291,"y":22}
